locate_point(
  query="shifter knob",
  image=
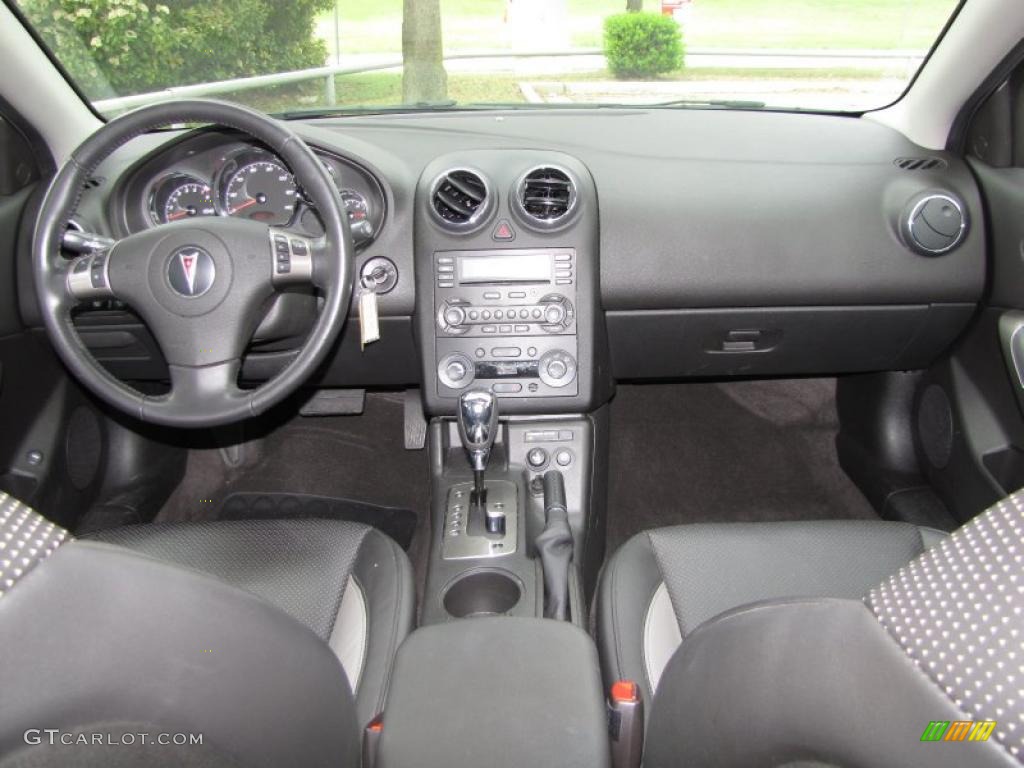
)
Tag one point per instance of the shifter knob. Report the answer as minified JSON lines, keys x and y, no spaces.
{"x":478,"y":426}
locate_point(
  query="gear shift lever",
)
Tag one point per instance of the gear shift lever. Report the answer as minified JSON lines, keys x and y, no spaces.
{"x":478,"y":426}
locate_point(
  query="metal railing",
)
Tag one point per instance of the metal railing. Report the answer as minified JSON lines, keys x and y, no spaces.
{"x":330,"y":72}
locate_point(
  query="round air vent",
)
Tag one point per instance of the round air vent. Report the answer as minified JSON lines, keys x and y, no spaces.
{"x":545,"y":197}
{"x":460,"y":199}
{"x":934,"y":223}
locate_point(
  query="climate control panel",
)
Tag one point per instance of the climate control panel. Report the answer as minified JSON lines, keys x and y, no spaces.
{"x":513,"y":367}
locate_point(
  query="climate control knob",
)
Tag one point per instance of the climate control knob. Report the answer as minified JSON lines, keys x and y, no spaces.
{"x":456,"y":371}
{"x":557,"y":368}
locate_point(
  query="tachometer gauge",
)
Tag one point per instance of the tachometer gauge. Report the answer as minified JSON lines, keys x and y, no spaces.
{"x":262,"y":190}
{"x":192,"y":198}
{"x":180,"y":196}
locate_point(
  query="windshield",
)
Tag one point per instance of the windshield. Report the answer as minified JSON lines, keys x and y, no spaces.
{"x":292,"y":56}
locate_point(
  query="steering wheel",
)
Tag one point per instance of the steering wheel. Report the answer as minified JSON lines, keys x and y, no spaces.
{"x":199,"y":284}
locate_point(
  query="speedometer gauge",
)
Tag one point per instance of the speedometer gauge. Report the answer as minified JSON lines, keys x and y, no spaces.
{"x":262,"y":190}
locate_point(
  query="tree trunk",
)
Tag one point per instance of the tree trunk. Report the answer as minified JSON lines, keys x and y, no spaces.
{"x":423,"y":76}
{"x":634,"y":6}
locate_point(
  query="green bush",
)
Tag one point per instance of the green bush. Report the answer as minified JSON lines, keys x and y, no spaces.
{"x":118,"y":47}
{"x":642,"y":44}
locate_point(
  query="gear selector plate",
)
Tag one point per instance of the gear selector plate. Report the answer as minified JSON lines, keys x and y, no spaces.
{"x":463,"y":541}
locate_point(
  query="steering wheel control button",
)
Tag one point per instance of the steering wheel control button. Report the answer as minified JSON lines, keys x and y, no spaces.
{"x":293,"y":260}
{"x":537,"y":458}
{"x":191,"y":271}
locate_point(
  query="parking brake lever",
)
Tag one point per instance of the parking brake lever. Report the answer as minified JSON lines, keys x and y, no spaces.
{"x":555,"y":546}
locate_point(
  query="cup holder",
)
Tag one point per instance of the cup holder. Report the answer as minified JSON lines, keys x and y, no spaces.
{"x":482,"y":593}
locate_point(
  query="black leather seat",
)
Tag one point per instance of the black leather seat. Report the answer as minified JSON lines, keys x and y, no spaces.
{"x":776,"y":643}
{"x":273,"y":638}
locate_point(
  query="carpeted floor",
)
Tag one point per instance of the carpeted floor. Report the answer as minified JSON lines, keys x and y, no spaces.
{"x":359,"y":458}
{"x":738,"y":451}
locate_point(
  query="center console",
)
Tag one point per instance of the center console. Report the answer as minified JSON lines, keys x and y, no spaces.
{"x":515,"y":382}
{"x":509,"y":315}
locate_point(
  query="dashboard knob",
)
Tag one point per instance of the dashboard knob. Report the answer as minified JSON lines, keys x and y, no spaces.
{"x":455,"y":315}
{"x":557,"y":368}
{"x":456,"y":371}
{"x":554,"y":314}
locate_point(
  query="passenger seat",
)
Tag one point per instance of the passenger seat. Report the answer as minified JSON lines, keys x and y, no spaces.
{"x":776,"y":643}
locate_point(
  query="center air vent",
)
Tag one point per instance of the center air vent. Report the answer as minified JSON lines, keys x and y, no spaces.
{"x":460,"y":199}
{"x":546,"y":196}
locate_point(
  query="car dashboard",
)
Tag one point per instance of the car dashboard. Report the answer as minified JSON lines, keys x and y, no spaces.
{"x":547,"y":254}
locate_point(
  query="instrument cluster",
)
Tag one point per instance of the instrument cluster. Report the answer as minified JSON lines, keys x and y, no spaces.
{"x":206,"y":177}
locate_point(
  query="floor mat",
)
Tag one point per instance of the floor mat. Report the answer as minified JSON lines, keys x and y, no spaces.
{"x":359,"y":460}
{"x":743,"y":451}
{"x":399,"y":524}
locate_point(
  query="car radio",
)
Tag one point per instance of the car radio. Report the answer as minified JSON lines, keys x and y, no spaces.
{"x":506,"y":320}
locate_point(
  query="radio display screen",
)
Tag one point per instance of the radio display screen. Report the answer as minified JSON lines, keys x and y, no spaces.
{"x":521,"y":268}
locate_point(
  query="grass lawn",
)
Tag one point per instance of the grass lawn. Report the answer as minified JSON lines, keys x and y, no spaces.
{"x":376,"y":27}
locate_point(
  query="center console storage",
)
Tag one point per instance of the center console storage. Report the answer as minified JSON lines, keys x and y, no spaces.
{"x":495,"y":692}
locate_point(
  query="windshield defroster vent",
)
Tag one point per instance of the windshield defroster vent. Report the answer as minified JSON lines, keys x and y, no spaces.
{"x":546,"y":196}
{"x":920,"y":163}
{"x":460,"y":199}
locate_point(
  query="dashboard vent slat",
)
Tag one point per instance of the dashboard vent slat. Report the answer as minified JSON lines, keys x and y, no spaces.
{"x":919,"y":163}
{"x":546,"y":196}
{"x":459,"y":199}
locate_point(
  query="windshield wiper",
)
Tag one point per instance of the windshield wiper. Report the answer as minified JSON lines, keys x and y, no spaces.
{"x":723,"y":103}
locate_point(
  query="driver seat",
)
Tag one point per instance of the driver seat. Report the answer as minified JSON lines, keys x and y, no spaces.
{"x":274,"y":639}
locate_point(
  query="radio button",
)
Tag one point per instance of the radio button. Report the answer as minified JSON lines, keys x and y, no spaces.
{"x":516,"y":295}
{"x":537,"y":314}
{"x":474,"y":315}
{"x":506,"y":352}
{"x":486,"y":315}
{"x":563,"y":257}
{"x":498,"y":314}
{"x":493,"y":295}
{"x":563,"y":281}
{"x":489,"y":329}
{"x":506,"y":388}
{"x":522,"y":329}
{"x":505,"y":329}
